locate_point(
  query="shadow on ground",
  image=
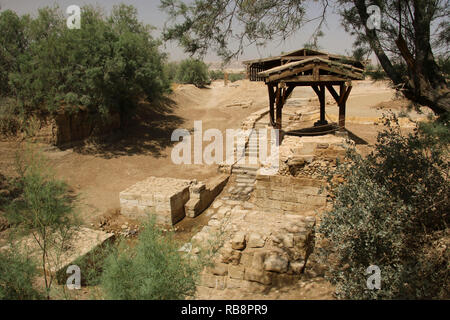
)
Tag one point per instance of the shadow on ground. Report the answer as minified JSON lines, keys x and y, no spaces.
{"x":322,"y":130}
{"x":148,"y":132}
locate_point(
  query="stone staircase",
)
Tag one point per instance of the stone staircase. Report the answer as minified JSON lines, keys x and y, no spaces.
{"x":244,"y":171}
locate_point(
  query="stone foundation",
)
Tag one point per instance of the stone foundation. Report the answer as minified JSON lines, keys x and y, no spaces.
{"x":203,"y":194}
{"x":300,"y":156}
{"x":264,"y":250}
{"x":288,"y":195}
{"x":164,"y":197}
{"x":170,"y":199}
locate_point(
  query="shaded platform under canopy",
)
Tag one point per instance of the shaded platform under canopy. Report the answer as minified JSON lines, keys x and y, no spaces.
{"x":321,"y":71}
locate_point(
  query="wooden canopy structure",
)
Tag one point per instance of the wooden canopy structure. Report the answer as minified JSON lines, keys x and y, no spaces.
{"x":306,"y":68}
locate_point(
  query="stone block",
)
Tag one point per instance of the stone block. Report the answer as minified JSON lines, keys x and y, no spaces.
{"x":238,"y":242}
{"x":231,"y":256}
{"x":277,"y":195}
{"x":259,"y":276}
{"x":235,"y":283}
{"x":276,"y":263}
{"x":255,"y":240}
{"x":258,"y":260}
{"x":246,"y":258}
{"x":236,"y":272}
{"x":164,"y":197}
{"x":219,"y":269}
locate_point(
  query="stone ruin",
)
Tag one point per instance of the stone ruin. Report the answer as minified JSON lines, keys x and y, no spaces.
{"x":170,"y":199}
{"x":264,"y":240}
{"x":265,"y":249}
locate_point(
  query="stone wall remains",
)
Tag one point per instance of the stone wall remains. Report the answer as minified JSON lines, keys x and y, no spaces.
{"x":288,"y":194}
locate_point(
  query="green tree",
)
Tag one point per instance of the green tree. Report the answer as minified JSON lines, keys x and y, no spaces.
{"x":392,"y":211}
{"x":44,"y":210}
{"x":171,"y":70}
{"x":107,"y":66}
{"x":153,"y":270}
{"x":13,"y":43}
{"x":216,"y":75}
{"x":17,"y":277}
{"x":411,"y":33}
{"x":194,"y":72}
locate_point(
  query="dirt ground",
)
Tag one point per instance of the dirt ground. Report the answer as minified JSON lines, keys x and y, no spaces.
{"x":99,"y":171}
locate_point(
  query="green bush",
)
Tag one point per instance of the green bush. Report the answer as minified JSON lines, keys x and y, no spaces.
{"x":391,"y":211}
{"x":236,"y":76}
{"x":106,"y":66}
{"x":171,"y":70}
{"x":17,"y":276}
{"x":154,"y":269}
{"x":216,"y":75}
{"x":192,"y":71}
{"x":44,"y":210}
{"x":13,"y":41}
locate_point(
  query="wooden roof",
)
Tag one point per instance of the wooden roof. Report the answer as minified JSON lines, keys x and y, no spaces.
{"x":316,"y":68}
{"x":345,"y":66}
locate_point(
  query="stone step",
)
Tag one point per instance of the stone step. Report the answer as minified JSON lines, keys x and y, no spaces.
{"x":244,"y":185}
{"x":246,"y":167}
{"x":245,"y":178}
{"x":243,"y":172}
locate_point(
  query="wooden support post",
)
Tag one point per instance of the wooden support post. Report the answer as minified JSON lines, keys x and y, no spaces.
{"x":344,"y":92}
{"x":271,"y":104}
{"x":341,"y":105}
{"x":322,"y":104}
{"x":320,"y":91}
{"x":279,"y":106}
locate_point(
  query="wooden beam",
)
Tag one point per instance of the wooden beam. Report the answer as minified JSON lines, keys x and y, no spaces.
{"x":320,"y":91}
{"x":290,"y":72}
{"x":322,"y":104}
{"x":344,"y":95}
{"x":323,"y":78}
{"x":271,"y":105}
{"x":287,"y":92}
{"x":279,"y":106}
{"x":333,"y":92}
{"x":316,"y":75}
{"x":341,"y":71}
{"x":316,"y":90}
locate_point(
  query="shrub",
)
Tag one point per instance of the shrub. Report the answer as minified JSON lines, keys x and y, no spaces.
{"x":391,"y":211}
{"x":236,"y":77}
{"x":17,"y":275}
{"x":106,"y":66}
{"x":194,"y":72}
{"x":44,"y":210}
{"x":154,"y":269}
{"x":216,"y":75}
{"x":171,"y":70}
{"x":13,"y":41}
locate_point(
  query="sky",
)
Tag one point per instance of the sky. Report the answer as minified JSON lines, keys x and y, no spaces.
{"x":335,"y":40}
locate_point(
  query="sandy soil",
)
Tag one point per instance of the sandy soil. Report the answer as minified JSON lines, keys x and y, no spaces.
{"x":98,"y":172}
